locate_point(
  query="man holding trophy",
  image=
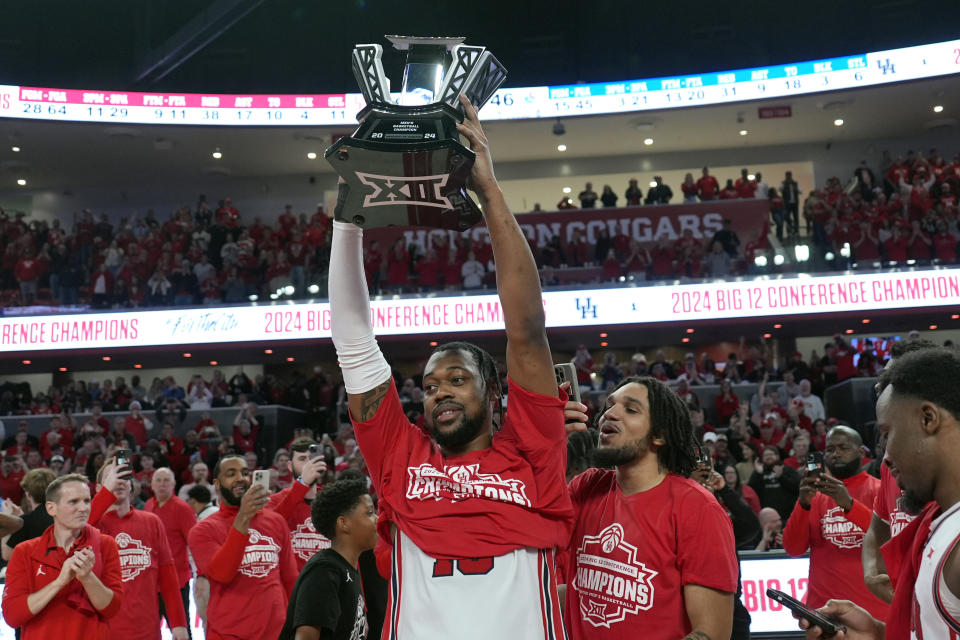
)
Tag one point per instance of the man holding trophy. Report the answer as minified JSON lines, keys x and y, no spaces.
{"x":474,"y":515}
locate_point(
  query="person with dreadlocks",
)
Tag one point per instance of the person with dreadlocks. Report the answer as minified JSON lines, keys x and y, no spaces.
{"x":474,"y":516}
{"x":652,"y":553}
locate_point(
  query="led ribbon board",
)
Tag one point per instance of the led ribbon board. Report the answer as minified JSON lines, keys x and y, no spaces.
{"x":429,"y":316}
{"x":801,"y":78}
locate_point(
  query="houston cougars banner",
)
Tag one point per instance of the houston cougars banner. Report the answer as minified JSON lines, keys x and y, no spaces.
{"x":428,"y":316}
{"x":644,"y":224}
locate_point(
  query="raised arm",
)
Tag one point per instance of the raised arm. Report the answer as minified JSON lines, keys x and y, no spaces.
{"x":518,"y":282}
{"x":366,"y":374}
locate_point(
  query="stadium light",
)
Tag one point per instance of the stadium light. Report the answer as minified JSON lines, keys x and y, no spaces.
{"x":648,"y":141}
{"x":567,"y":189}
{"x":314,"y":289}
{"x":252,"y":297}
{"x":561,"y":147}
{"x":779,"y":259}
{"x":311,"y":156}
{"x":845,"y":250}
{"x":760,"y":261}
{"x":801,"y":252}
{"x":829,"y":255}
{"x":289,"y":290}
{"x":750,"y":176}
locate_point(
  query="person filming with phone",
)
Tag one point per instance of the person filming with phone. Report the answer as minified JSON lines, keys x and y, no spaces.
{"x":830,"y":519}
{"x":244,"y":550}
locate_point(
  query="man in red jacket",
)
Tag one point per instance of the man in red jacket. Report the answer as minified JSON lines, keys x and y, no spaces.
{"x":244,"y":551}
{"x":146,"y":565}
{"x":178,"y":518}
{"x":65,"y":584}
{"x":832,"y":515}
{"x":294,"y":502}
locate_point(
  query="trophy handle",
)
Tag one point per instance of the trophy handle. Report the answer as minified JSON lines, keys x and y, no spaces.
{"x":474,"y":71}
{"x":368,"y":70}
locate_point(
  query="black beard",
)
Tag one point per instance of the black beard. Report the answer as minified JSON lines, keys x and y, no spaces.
{"x":468,"y":429}
{"x":843,"y":471}
{"x":609,"y":457}
{"x":229,"y":498}
{"x":912,"y":502}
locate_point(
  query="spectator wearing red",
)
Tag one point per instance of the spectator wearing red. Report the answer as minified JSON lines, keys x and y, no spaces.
{"x":577,"y":250}
{"x":707,"y":186}
{"x":845,"y":367}
{"x":27,"y":272}
{"x":612,"y":268}
{"x":583,"y":362}
{"x":244,"y":551}
{"x":228,"y":215}
{"x":246,"y":428}
{"x":293,"y":503}
{"x":66,"y":584}
{"x":745,"y":185}
{"x":726,"y":403}
{"x":663,"y":259}
{"x":452,"y":274}
{"x":11,"y":475}
{"x":137,"y":424}
{"x":287,"y":220}
{"x":866,"y":245}
{"x":732,"y":477}
{"x":896,"y":246}
{"x":801,"y":447}
{"x":428,"y":270}
{"x":690,"y":189}
{"x":146,"y":563}
{"x":178,"y":519}
{"x":945,"y":245}
{"x":919,"y":244}
{"x":832,"y":515}
{"x":398,"y":266}
{"x":621,"y":244}
{"x":145,"y":475}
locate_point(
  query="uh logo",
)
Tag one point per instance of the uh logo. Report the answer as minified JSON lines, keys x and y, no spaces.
{"x":586,"y":309}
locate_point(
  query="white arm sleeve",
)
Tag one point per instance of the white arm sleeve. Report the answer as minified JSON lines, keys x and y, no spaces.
{"x":361,"y":362}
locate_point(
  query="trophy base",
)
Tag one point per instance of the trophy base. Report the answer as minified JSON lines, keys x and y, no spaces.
{"x":422,"y":185}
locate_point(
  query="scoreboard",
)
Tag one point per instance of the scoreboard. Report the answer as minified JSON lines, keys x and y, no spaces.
{"x":779,"y":81}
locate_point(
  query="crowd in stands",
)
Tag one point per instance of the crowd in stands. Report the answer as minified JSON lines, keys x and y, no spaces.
{"x":199,"y":255}
{"x":903,"y":213}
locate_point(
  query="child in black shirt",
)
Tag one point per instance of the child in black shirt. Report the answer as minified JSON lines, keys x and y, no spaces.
{"x":327,"y":599}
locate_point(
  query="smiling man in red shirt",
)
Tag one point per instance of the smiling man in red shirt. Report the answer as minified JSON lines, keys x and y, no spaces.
{"x":244,"y":550}
{"x":66,"y":583}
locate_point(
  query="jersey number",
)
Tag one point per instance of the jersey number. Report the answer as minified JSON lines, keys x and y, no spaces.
{"x":466,"y":566}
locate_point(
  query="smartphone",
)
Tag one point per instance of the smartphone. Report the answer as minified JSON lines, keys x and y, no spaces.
{"x":316,"y":451}
{"x":122,"y":459}
{"x":704,"y":460}
{"x":829,"y":627}
{"x":814,"y":463}
{"x":566,"y":372}
{"x":262,"y":477}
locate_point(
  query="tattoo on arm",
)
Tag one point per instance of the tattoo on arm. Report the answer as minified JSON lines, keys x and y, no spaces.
{"x":370,"y":401}
{"x":697,"y":635}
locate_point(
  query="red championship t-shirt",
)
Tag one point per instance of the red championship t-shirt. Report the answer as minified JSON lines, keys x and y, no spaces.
{"x":293,"y":507}
{"x":250,"y":576}
{"x":835,"y":541}
{"x":630,"y":556}
{"x":507,"y":497}
{"x":142,"y":544}
{"x":178,"y":518}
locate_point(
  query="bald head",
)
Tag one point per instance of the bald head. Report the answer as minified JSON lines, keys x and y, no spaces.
{"x":768,"y":516}
{"x":842,"y":430}
{"x":163,"y":484}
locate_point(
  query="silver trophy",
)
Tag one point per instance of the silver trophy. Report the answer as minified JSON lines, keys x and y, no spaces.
{"x":405,"y":165}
